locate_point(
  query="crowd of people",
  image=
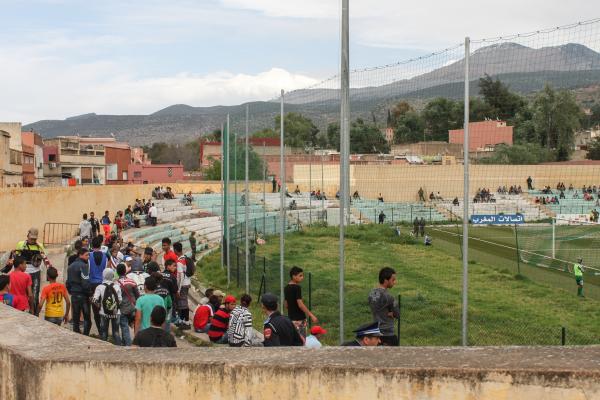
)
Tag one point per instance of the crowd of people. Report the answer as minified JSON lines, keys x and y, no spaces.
{"x":133,"y":296}
{"x":484,"y":196}
{"x":512,"y":190}
{"x":160,"y":193}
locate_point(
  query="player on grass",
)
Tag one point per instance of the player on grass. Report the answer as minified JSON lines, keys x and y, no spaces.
{"x":578,"y":271}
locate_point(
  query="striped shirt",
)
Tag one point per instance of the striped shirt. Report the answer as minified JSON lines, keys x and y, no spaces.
{"x":240,"y":327}
{"x":218,"y":325}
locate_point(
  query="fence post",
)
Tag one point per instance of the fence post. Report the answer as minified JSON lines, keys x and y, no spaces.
{"x":518,"y":255}
{"x":237,"y":262}
{"x":563,"y":336}
{"x":411,"y":208}
{"x":399,"y":315}
{"x":309,"y":296}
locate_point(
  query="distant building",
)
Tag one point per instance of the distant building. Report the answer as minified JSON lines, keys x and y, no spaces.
{"x":264,"y":147}
{"x":428,"y":149}
{"x":585,"y":137}
{"x":79,"y":160}
{"x":484,"y":135}
{"x":139,"y":157}
{"x":33,"y":159}
{"x":4,"y":156}
{"x":155,"y":173}
{"x":389,"y":135}
{"x":13,"y":172}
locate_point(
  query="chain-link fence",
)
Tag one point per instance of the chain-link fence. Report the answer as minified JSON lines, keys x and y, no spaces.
{"x":531,"y":197}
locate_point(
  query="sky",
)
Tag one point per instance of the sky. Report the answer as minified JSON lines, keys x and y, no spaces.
{"x":61,"y":58}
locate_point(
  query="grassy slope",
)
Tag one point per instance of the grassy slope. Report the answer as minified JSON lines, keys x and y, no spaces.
{"x":504,"y":308}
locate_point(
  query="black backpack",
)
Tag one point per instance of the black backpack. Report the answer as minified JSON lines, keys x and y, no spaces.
{"x":190,"y":267}
{"x":110,"y":301}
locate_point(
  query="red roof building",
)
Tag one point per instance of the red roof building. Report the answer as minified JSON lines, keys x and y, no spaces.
{"x":484,"y":135}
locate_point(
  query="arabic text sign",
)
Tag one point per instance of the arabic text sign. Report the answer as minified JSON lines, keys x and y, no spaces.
{"x":497,"y":219}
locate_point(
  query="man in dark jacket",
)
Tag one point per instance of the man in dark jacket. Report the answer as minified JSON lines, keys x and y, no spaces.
{"x":78,"y":285}
{"x":278,"y":329}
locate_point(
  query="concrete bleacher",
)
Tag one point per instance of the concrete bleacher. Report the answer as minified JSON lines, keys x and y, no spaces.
{"x":396,"y":212}
{"x":504,"y":204}
{"x":570,"y":204}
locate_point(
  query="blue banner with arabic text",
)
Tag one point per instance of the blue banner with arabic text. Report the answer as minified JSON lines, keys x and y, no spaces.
{"x":498,"y":219}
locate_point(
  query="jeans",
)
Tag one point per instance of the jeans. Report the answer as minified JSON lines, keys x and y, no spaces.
{"x":35,"y":290}
{"x":81,"y":304}
{"x":55,"y":320}
{"x":125,"y":332}
{"x":203,"y":330}
{"x":114,"y":323}
{"x":96,"y":307}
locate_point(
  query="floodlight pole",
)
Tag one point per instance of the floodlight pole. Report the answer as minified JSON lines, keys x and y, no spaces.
{"x":281,"y":203}
{"x":344,"y":148}
{"x":225,"y":210}
{"x":246,"y":205}
{"x":465,"y":244}
{"x":222,"y":200}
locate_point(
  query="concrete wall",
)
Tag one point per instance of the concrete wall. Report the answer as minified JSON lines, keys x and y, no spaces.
{"x":23,"y":208}
{"x":39,"y":361}
{"x":402,"y":182}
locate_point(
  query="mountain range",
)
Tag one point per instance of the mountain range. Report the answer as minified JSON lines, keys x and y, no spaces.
{"x":524,"y":69}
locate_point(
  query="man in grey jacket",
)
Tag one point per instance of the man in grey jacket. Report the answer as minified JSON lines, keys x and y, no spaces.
{"x":384,"y":307}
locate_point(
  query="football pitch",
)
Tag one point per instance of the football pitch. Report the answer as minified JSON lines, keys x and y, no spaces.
{"x":528,"y":250}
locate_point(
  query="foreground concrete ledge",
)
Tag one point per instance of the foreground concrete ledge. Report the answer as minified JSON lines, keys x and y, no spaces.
{"x":41,"y":361}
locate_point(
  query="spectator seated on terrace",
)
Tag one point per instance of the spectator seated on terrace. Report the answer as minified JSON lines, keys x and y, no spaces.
{"x":287,"y":194}
{"x":380,"y":198}
{"x":560,"y":186}
{"x":337,"y":195}
{"x":484,"y":196}
{"x":243,"y":199}
{"x":547,"y":190}
{"x":455,"y":202}
{"x":187,"y":199}
{"x":208,"y":191}
{"x":297,"y":190}
{"x":431,"y":196}
{"x":562,"y":194}
{"x":576,"y":195}
{"x":571,"y":187}
{"x":594,"y":215}
{"x":356,"y":196}
{"x":293,"y":205}
{"x":169,"y":194}
{"x":588,"y":197}
{"x":138,"y":208}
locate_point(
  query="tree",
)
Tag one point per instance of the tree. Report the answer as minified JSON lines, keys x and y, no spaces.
{"x":365,"y":138}
{"x":503,"y":103}
{"x":214,"y":136}
{"x":265,"y":133}
{"x":441,"y":115}
{"x":255,"y":165}
{"x":556,"y":116}
{"x":399,"y":110}
{"x":186,"y":154}
{"x":594,"y":150}
{"x":528,"y":153}
{"x":409,"y":128}
{"x":300,"y":132}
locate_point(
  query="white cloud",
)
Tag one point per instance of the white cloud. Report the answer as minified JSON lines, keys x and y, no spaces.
{"x":45,"y":87}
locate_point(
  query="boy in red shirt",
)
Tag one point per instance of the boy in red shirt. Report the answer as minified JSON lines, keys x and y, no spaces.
{"x":20,"y":286}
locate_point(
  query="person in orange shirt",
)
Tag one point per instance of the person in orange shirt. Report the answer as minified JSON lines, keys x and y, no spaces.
{"x":53,"y":296}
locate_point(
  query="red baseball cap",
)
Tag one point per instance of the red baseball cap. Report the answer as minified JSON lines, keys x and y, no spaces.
{"x":317,"y":330}
{"x":229,"y":299}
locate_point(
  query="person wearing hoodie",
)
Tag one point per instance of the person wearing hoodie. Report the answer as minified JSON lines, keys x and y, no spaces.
{"x":98,"y":261}
{"x":107,"y":298}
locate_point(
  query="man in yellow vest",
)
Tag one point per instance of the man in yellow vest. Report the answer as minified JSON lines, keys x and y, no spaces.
{"x":578,"y":271}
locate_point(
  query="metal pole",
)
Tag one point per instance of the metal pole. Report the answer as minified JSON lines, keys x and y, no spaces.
{"x":553,"y":238}
{"x":222,"y":199}
{"x":465,"y":277}
{"x":246,"y":205}
{"x":226,"y":203}
{"x":264,"y":168}
{"x":517,"y":246}
{"x":344,"y":148}
{"x":322,"y":189}
{"x":281,"y":203}
{"x":235,"y":180}
{"x":310,"y":187}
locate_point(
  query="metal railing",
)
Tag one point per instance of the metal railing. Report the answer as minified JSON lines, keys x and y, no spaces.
{"x":59,"y":233}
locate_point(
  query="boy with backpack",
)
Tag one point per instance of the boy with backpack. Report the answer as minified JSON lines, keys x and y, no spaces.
{"x":5,"y":297}
{"x":185,"y":270}
{"x":108,"y":299}
{"x":53,"y":296}
{"x":129,"y":296}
